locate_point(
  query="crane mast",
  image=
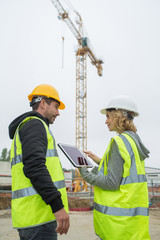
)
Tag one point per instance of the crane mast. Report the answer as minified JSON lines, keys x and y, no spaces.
{"x":82,"y":52}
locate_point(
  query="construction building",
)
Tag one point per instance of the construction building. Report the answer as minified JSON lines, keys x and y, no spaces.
{"x":153,"y":177}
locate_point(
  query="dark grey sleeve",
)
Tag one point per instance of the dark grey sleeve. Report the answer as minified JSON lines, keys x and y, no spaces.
{"x":112,"y":180}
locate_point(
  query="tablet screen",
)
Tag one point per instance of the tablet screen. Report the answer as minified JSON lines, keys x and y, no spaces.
{"x":75,"y":156}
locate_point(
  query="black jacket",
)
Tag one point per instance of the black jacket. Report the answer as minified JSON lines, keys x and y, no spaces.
{"x":34,"y":146}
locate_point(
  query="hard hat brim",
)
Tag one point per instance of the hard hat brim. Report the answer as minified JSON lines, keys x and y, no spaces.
{"x":104,"y":110}
{"x":62,"y":105}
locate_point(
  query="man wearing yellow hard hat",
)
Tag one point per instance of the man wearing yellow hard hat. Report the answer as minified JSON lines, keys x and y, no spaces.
{"x":39,"y":198}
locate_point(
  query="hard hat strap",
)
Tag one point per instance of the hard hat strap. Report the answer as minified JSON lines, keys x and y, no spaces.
{"x":35,"y":100}
{"x":38,"y":99}
{"x":128,"y":115}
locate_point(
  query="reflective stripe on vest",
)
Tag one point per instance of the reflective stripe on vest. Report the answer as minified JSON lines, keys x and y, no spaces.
{"x":131,"y":212}
{"x":133,"y":177}
{"x":49,"y":153}
{"x":30,"y":191}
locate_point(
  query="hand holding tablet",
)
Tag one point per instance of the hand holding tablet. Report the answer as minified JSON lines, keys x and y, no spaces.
{"x":75,"y":156}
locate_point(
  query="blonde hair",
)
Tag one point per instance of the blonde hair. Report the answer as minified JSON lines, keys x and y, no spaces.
{"x":122,"y":122}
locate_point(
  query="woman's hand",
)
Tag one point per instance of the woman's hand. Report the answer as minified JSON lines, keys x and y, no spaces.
{"x":93,"y":156}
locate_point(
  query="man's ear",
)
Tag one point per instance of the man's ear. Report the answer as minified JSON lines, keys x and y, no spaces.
{"x":43,"y":103}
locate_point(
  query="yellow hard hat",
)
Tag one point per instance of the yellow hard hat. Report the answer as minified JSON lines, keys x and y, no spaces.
{"x":47,"y":91}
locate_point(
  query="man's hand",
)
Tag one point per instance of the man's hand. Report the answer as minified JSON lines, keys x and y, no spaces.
{"x":62,"y":221}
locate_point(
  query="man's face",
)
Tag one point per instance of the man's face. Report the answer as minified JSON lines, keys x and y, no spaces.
{"x":51,"y":111}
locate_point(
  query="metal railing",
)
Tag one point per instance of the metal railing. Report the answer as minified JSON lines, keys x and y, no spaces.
{"x":154,"y":192}
{"x":79,"y":190}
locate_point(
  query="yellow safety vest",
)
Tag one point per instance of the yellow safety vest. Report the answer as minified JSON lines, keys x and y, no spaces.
{"x":28,"y":208}
{"x":123,"y":214}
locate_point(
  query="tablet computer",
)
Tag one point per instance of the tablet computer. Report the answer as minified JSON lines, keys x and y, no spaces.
{"x":75,"y":156}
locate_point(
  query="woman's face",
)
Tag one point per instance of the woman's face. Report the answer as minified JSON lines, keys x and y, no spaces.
{"x":110,"y":121}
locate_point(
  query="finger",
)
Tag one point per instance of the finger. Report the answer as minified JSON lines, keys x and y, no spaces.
{"x":63,"y":229}
{"x":87,"y":152}
{"x":59,"y":226}
{"x":65,"y":226}
{"x":68,"y":225}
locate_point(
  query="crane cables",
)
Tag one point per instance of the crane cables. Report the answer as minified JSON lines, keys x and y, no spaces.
{"x":68,"y":3}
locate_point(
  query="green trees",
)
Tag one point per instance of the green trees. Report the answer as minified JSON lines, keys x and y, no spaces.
{"x":5,"y":155}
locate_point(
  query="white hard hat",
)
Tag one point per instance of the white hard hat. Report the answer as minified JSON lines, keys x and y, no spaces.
{"x":122,"y":103}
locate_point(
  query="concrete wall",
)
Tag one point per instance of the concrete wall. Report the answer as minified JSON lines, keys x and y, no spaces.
{"x":5,"y":173}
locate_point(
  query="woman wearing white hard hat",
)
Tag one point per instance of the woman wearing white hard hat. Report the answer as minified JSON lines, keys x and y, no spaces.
{"x":120,"y":185}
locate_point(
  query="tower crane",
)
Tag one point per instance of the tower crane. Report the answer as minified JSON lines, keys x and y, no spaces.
{"x":82,"y":52}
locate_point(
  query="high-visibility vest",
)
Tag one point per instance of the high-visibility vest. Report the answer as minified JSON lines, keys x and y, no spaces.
{"x":28,"y":208}
{"x":123,"y":214}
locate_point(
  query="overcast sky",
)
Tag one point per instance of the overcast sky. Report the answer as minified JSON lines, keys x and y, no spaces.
{"x":125,"y":33}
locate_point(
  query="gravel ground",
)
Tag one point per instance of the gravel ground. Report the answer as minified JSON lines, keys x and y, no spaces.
{"x":82,"y":220}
